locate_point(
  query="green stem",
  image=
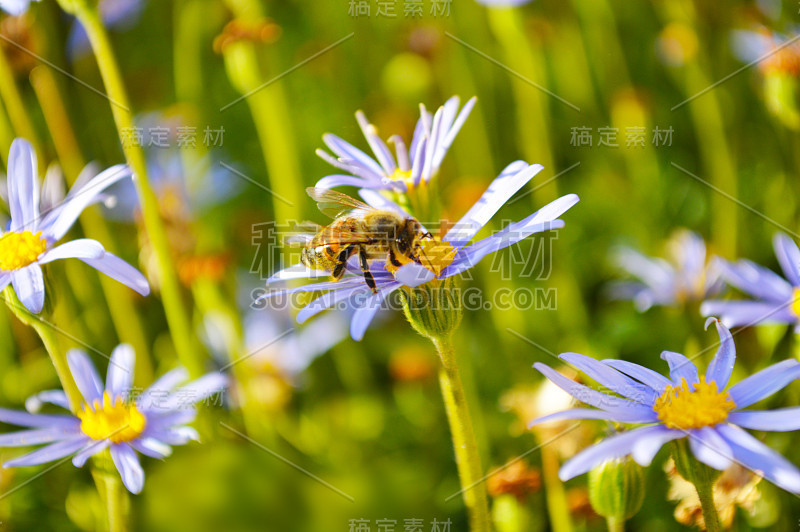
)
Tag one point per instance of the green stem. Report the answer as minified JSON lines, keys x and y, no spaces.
{"x":615,"y":525}
{"x":12,"y":99}
{"x":703,"y":478}
{"x":176,"y":313}
{"x":46,"y":333}
{"x":555,"y":495}
{"x":466,"y":449}
{"x":112,"y":491}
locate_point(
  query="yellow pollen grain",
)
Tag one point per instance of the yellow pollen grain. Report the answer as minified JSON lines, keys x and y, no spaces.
{"x":436,"y":255}
{"x":116,"y":421}
{"x":701,"y":405}
{"x":18,"y":250}
{"x":796,"y":302}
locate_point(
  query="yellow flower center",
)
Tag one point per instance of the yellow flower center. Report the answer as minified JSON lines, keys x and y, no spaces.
{"x":404,"y":176}
{"x":796,"y":302}
{"x":703,"y":405}
{"x":17,"y":250}
{"x":118,"y":421}
{"x":436,"y":255}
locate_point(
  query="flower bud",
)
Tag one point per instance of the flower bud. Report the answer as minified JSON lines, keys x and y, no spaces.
{"x":616,"y":489}
{"x":433,"y":308}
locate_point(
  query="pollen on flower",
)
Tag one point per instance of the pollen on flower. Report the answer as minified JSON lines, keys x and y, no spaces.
{"x":116,"y":420}
{"x":796,"y":302}
{"x":403,"y":176}
{"x":701,"y":405}
{"x":18,"y":250}
{"x":436,"y":255}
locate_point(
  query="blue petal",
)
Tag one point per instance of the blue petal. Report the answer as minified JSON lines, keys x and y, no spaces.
{"x":764,"y":383}
{"x":379,"y":148}
{"x":329,"y":299}
{"x":57,"y":397}
{"x":23,"y":186}
{"x":648,"y":445}
{"x":612,"y":447}
{"x":654,"y":380}
{"x":29,"y":286}
{"x":363,"y":315}
{"x":151,"y":447}
{"x":120,"y":370}
{"x":24,"y":419}
{"x":680,"y":368}
{"x":81,"y":248}
{"x":338,"y":180}
{"x":85,"y":375}
{"x":54,"y":451}
{"x":710,"y":448}
{"x":721,"y":367}
{"x":656,"y":273}
{"x":121,"y":271}
{"x":611,"y":378}
{"x":758,"y":457}
{"x":586,"y":395}
{"x":748,"y":313}
{"x":788,"y":257}
{"x":755,"y":280}
{"x":500,"y":190}
{"x":195,"y":391}
{"x":781,"y":420}
{"x":346,"y":150}
{"x":90,"y":449}
{"x":129,"y":468}
{"x":36,"y":436}
{"x":617,"y":416}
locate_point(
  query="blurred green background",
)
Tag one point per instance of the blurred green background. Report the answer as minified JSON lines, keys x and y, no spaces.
{"x":367,"y":416}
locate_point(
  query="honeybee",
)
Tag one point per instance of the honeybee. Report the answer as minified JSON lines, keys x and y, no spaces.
{"x":359,"y":229}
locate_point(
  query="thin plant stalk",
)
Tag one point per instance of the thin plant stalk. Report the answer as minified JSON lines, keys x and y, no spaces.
{"x":9,"y":92}
{"x":703,"y":478}
{"x":186,"y":346}
{"x":468,"y":459}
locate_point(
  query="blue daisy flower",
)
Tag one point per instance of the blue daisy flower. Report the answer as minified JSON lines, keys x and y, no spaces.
{"x":453,"y":254}
{"x":686,"y":277}
{"x":30,"y":237}
{"x":416,"y":164}
{"x":775,"y":300}
{"x":685,"y":405}
{"x":113,"y":417}
{"x":15,"y":7}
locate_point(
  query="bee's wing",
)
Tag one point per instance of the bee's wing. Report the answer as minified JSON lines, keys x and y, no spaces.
{"x":335,"y":204}
{"x":302,"y":233}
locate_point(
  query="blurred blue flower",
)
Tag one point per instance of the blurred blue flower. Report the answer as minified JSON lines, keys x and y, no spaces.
{"x":688,"y":277}
{"x":15,"y":7}
{"x":772,"y":50}
{"x":776,"y":300}
{"x":685,"y":405}
{"x":149,"y":422}
{"x":352,"y":291}
{"x":432,"y":138}
{"x":117,"y":14}
{"x":31,"y":234}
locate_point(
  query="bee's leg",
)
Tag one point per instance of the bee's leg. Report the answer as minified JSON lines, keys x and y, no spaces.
{"x":341,"y":261}
{"x":393,"y":258}
{"x":367,"y":274}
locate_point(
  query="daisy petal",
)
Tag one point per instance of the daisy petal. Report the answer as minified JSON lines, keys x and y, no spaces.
{"x":29,"y":286}
{"x":680,"y":368}
{"x":54,"y":451}
{"x":510,"y":180}
{"x":363,"y":315}
{"x":586,"y":395}
{"x":748,"y":313}
{"x":617,"y":416}
{"x":710,"y":448}
{"x":721,"y":367}
{"x":196,"y":391}
{"x":788,"y":257}
{"x":611,"y":378}
{"x":151,"y":447}
{"x":758,"y":457}
{"x":654,"y":380}
{"x":781,"y":420}
{"x":89,"y":450}
{"x":648,"y":445}
{"x":121,"y":271}
{"x":120,"y":370}
{"x":764,"y":383}
{"x":81,"y":248}
{"x":758,"y":281}
{"x":85,"y":375}
{"x":56,"y":397}
{"x":129,"y":468}
{"x":330,"y":299}
{"x":413,"y":274}
{"x":24,"y":419}
{"x":612,"y":447}
{"x":24,"y":438}
{"x":23,"y":186}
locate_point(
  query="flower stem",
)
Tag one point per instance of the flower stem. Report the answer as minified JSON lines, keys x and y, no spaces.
{"x":45,"y":332}
{"x":466,"y":449}
{"x":615,"y":525}
{"x":111,"y":490}
{"x":177,"y":316}
{"x":703,"y":478}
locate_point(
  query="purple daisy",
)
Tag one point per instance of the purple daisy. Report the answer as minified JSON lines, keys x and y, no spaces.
{"x":455,"y":252}
{"x":686,"y":277}
{"x":686,"y":404}
{"x":413,"y":165}
{"x":31,"y":235}
{"x":775,"y":300}
{"x":149,"y":422}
